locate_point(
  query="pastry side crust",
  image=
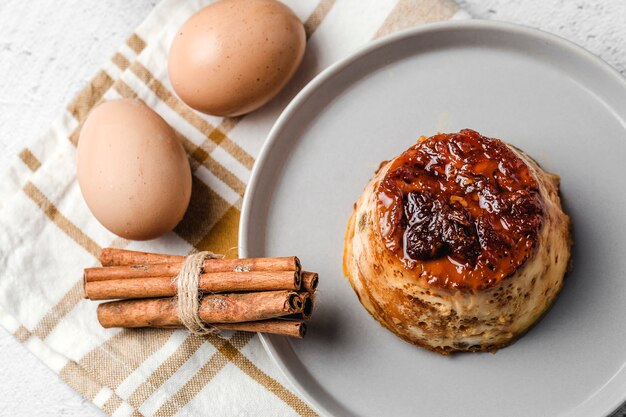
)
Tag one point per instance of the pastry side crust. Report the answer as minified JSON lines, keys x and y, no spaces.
{"x":450,"y":320}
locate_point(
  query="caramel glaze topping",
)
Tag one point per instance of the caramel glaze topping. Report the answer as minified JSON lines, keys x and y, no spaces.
{"x":463,"y":208}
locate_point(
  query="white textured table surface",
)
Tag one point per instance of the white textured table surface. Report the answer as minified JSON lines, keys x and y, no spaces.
{"x":49,"y":50}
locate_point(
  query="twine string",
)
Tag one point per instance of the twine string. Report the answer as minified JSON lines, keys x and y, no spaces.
{"x":188,"y":298}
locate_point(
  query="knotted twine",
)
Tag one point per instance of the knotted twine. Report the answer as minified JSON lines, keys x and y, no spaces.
{"x":188,"y":298}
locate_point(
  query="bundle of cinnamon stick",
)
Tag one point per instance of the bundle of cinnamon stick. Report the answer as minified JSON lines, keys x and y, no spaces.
{"x":271,"y":295}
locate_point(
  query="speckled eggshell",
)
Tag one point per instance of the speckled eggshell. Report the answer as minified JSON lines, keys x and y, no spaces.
{"x":132,"y":170}
{"x":233,"y":56}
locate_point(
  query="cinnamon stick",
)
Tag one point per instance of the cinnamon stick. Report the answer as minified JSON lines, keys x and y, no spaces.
{"x":214,"y":282}
{"x":132,"y":271}
{"x":225,"y":308}
{"x":130,"y":288}
{"x":114,"y":256}
{"x":141,"y":261}
{"x":308,"y":301}
{"x":281,"y":327}
{"x":310,"y":281}
{"x":293,"y":328}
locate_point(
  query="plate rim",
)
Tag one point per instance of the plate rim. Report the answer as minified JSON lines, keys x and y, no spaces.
{"x":335,"y":68}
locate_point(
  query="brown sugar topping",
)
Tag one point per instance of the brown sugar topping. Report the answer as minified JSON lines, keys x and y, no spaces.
{"x":463,"y":207}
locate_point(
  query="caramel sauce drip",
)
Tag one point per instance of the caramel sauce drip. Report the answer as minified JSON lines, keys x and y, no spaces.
{"x":462,"y":207}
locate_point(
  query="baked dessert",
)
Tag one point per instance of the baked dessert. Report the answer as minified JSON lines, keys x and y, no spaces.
{"x":459,"y":243}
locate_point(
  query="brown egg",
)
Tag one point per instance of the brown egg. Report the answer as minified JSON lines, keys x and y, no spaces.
{"x":132,"y":170}
{"x":233,"y":56}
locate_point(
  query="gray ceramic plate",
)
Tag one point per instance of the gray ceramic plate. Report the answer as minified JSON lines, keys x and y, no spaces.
{"x":543,"y":94}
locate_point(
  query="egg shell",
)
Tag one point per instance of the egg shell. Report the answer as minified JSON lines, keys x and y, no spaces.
{"x":132,"y":170}
{"x":233,"y":56}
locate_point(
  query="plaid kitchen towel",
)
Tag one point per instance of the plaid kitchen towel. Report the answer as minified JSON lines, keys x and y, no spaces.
{"x":47,"y":234}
